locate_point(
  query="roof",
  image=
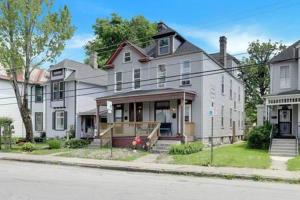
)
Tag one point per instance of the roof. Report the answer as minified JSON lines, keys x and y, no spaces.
{"x":92,"y":112}
{"x":82,"y":72}
{"x":37,"y":76}
{"x":291,"y":92}
{"x":289,"y":53}
{"x":163,"y":30}
{"x":218,"y":57}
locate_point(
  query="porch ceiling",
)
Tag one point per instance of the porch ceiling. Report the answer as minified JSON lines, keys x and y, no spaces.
{"x":147,"y":95}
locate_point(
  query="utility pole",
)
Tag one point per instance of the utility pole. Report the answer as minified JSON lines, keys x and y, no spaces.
{"x":212,"y":134}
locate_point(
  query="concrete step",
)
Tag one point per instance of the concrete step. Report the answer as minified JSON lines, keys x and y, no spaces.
{"x":283,"y":147}
{"x":284,"y":154}
{"x":163,"y":146}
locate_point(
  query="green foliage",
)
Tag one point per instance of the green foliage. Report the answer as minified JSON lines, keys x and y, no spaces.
{"x":28,"y":147}
{"x":5,"y":121}
{"x":114,"y":30}
{"x":76,"y":143}
{"x":259,"y":137}
{"x":183,"y":149}
{"x":54,"y":144}
{"x":256,"y":75}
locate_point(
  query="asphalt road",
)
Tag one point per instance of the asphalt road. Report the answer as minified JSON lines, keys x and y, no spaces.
{"x":29,"y":181}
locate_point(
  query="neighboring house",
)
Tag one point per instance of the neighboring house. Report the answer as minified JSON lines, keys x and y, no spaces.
{"x":151,"y":85}
{"x":283,"y":110}
{"x":8,"y":102}
{"x":70,"y":93}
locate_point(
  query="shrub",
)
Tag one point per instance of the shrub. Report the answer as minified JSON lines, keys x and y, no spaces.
{"x":54,"y":144}
{"x":183,"y":149}
{"x":28,"y":147}
{"x":259,"y":137}
{"x":76,"y":143}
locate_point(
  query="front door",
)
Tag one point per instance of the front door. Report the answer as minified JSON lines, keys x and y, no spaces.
{"x":139,"y":112}
{"x":285,"y":122}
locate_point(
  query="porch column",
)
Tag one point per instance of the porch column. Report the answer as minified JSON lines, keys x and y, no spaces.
{"x":183,"y":117}
{"x":97,"y":121}
{"x":134,"y":119}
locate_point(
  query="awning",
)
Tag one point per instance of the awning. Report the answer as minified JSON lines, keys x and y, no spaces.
{"x":147,"y":95}
{"x":92,"y":112}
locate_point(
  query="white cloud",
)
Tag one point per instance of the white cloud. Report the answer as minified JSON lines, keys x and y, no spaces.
{"x":79,"y":41}
{"x":238,"y":36}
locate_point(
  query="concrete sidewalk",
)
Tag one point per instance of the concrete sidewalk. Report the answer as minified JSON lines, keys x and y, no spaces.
{"x":222,"y":172}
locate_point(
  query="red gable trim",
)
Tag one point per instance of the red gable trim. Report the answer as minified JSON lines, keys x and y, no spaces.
{"x":109,"y":63}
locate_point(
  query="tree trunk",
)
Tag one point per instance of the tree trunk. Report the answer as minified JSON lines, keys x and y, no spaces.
{"x":26,"y":117}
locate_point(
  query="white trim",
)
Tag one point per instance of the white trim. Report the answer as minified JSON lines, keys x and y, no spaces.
{"x":115,"y":77}
{"x":181,"y":72}
{"x":159,"y":53}
{"x":157,"y":75}
{"x":57,"y":116}
{"x":288,"y":81}
{"x":129,"y":56}
{"x":133,"y":78}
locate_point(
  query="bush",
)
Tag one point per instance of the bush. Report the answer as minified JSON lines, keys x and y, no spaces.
{"x":183,"y":149}
{"x":76,"y":143}
{"x":28,"y":147}
{"x":54,"y":144}
{"x":259,"y":137}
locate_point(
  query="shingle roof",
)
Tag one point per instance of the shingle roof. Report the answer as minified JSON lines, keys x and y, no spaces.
{"x":287,"y":54}
{"x":217,"y":57}
{"x":82,"y":72}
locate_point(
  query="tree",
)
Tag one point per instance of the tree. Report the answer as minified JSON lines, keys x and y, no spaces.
{"x":112,"y":31}
{"x":30,"y":35}
{"x":256,"y":76}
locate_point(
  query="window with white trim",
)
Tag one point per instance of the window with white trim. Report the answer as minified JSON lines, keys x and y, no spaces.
{"x":230,"y":119}
{"x":230,"y":90}
{"x":285,"y":80}
{"x":127,"y":57}
{"x":239,"y":121}
{"x":59,"y":120}
{"x":118,"y":81}
{"x":239,"y":94}
{"x":223,"y":85}
{"x":136,"y":78}
{"x":163,"y":46}
{"x":188,"y":113}
{"x":161,"y":76}
{"x":222,"y":116}
{"x":38,"y":121}
{"x":58,"y":90}
{"x":234,"y":101}
{"x":186,"y":73}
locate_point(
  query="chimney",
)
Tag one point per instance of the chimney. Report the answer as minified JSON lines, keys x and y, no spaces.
{"x":93,"y":60}
{"x":223,"y":51}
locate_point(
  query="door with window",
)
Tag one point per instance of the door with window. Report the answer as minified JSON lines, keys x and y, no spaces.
{"x":285,"y":122}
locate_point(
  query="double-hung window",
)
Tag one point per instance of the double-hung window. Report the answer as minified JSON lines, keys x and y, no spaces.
{"x":136,"y":78}
{"x":186,"y":73}
{"x":127,"y":57}
{"x":118,"y":81}
{"x":38,"y":94}
{"x":223,"y":85}
{"x":285,"y":77}
{"x":234,"y":101}
{"x":230,"y":119}
{"x":239,"y":94}
{"x":161,"y":76}
{"x":230,"y":90}
{"x":38,"y":121}
{"x":222,"y":116}
{"x":59,"y":120}
{"x":164,"y":46}
{"x":58,"y":90}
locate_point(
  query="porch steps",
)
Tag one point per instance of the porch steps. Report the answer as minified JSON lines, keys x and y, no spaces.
{"x":163,"y":146}
{"x":95,"y":143}
{"x":284,"y":147}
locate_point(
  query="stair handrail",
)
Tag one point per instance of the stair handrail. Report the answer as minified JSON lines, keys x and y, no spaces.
{"x":153,"y":137}
{"x":271,"y":137}
{"x":106,"y":132}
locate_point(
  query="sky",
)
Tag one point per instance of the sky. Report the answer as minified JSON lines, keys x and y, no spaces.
{"x":200,"y":21}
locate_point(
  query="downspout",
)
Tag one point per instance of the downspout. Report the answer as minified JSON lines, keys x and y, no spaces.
{"x":75,"y":108}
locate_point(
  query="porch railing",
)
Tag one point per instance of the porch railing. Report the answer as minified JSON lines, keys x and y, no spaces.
{"x":106,"y":136}
{"x":153,"y":137}
{"x":129,"y":129}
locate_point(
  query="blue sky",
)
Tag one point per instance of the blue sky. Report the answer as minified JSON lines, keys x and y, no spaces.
{"x":200,"y":21}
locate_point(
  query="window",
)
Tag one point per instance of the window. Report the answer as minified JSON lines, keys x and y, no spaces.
{"x":188,"y":113}
{"x":284,"y":77}
{"x":58,"y":90}
{"x":239,"y":121}
{"x":230,"y":91}
{"x":57,"y":72}
{"x":222,"y":85}
{"x":127,"y":57}
{"x":161,"y":76}
{"x":186,"y":73}
{"x":38,"y":94}
{"x":59,"y":120}
{"x":239,"y":94}
{"x":234,"y":101}
{"x":38,"y":121}
{"x":162,"y":111}
{"x":222,"y":116}
{"x":230,"y":120}
{"x":118,"y":113}
{"x":118,"y":81}
{"x":137,"y":78}
{"x":164,"y":46}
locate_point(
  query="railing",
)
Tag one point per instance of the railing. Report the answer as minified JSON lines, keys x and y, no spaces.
{"x":271,"y":137}
{"x":129,"y":129}
{"x":106,"y":136}
{"x":153,"y":137}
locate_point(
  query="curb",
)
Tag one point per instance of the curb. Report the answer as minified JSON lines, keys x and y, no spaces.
{"x":228,"y":176}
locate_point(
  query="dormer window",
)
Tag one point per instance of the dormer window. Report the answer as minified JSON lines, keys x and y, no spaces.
{"x":163,"y":46}
{"x":127,"y":57}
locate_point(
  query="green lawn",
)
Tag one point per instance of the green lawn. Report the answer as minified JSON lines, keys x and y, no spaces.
{"x":104,"y":154}
{"x":294,"y":164}
{"x":236,"y":155}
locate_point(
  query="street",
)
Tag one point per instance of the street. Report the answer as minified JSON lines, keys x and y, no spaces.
{"x":29,"y":181}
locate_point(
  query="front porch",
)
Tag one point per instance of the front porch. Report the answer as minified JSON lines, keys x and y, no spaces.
{"x":152,"y":115}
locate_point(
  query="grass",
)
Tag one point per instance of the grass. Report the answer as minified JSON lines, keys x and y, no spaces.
{"x":236,"y":155}
{"x":294,"y":164}
{"x":104,"y":154}
{"x":48,"y":151}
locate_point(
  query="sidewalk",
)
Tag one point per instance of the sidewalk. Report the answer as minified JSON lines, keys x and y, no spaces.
{"x":222,"y":172}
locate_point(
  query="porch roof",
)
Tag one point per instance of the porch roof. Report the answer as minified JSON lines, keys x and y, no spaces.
{"x":147,"y":95}
{"x":92,"y":112}
{"x":283,"y":98}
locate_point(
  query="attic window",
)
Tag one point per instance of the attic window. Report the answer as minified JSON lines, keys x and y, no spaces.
{"x":164,"y":44}
{"x":127,"y":57}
